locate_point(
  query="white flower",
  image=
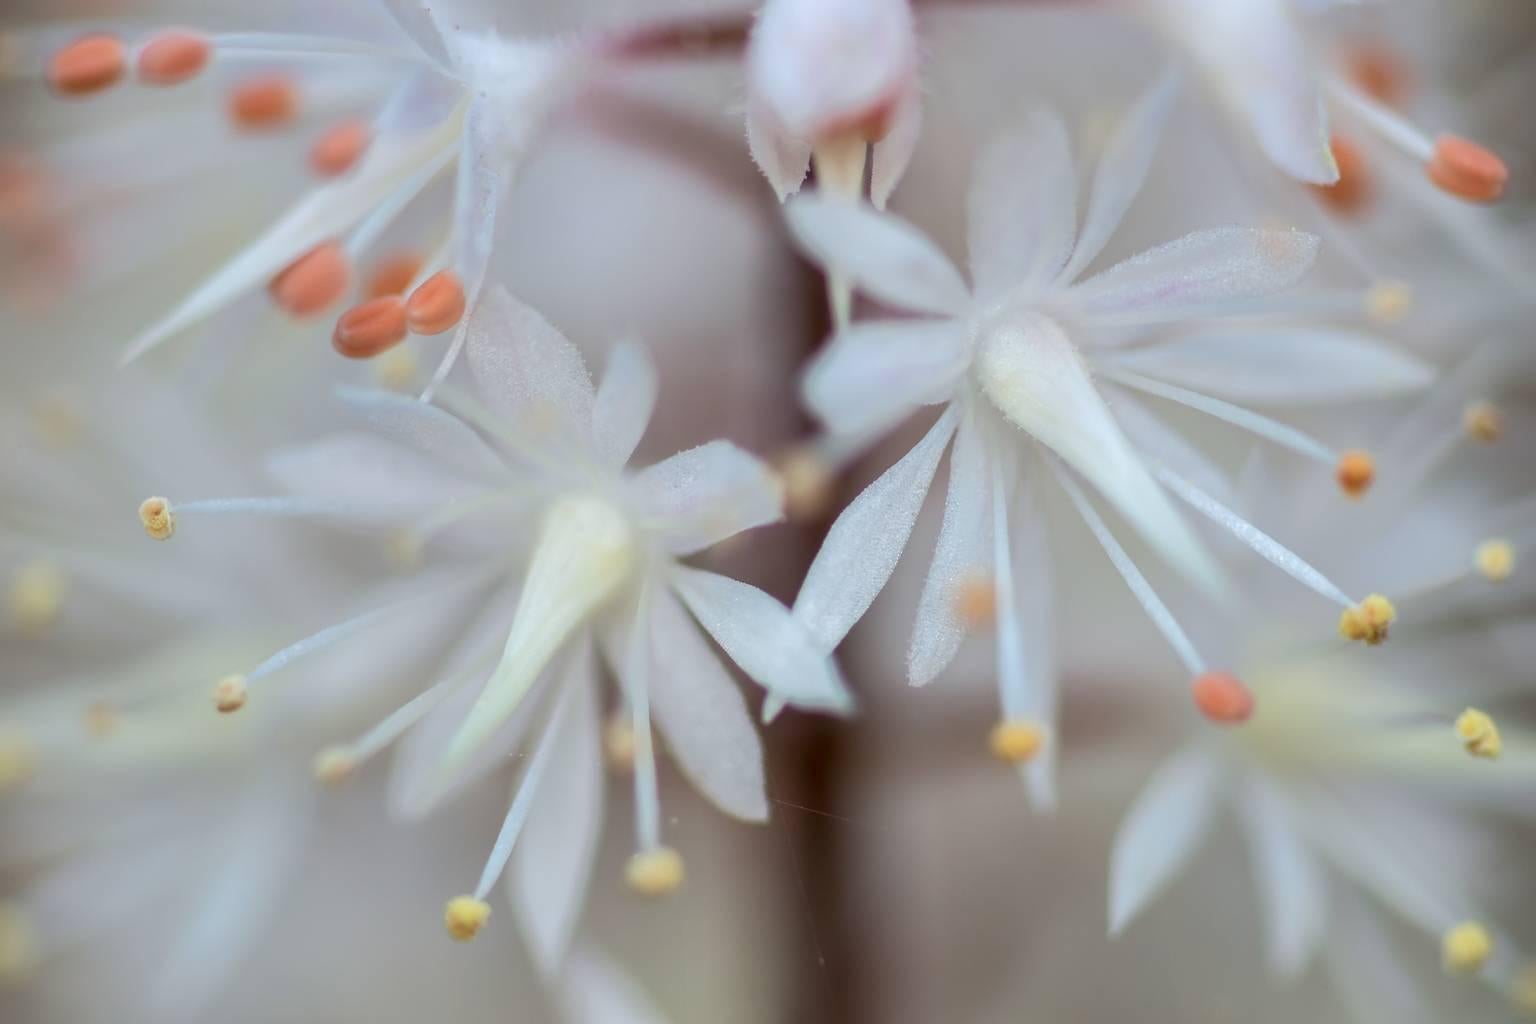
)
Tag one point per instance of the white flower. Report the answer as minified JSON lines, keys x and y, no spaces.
{"x":575,"y":556}
{"x":1017,"y":351}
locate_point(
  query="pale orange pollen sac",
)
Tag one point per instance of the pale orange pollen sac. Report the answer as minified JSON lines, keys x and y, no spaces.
{"x":263,"y":103}
{"x":1222,"y":698}
{"x":1356,"y":472}
{"x":87,"y":65}
{"x":313,"y":282}
{"x":366,"y":330}
{"x":337,"y":151}
{"x":1466,"y":170}
{"x":174,"y":56}
{"x":437,"y":305}
{"x":976,"y":600}
{"x":1381,"y":74}
{"x":1350,"y":194}
{"x":393,"y":275}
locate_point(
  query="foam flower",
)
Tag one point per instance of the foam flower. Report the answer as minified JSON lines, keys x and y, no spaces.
{"x":1012,"y":360}
{"x":576,"y":560}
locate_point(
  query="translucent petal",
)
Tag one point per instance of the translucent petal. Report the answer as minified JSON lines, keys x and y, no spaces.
{"x":763,"y":639}
{"x":883,"y":255}
{"x":426,"y":429}
{"x":1290,"y":882}
{"x":593,"y":990}
{"x":704,"y":495}
{"x":1160,"y":833}
{"x":526,"y":371}
{"x":873,"y":374}
{"x":1022,"y":207}
{"x":367,"y":473}
{"x":625,"y":400}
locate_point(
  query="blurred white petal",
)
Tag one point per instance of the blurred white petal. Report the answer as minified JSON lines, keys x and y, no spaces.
{"x":526,"y":371}
{"x":1291,"y":884}
{"x":594,"y":991}
{"x":891,"y":155}
{"x":704,"y":495}
{"x":1022,"y":208}
{"x":874,"y":373}
{"x":626,"y":397}
{"x":1160,"y":833}
{"x":782,"y":159}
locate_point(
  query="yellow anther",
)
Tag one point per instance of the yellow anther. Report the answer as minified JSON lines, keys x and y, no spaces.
{"x":1368,"y":621}
{"x":16,"y":761}
{"x":1495,"y":560}
{"x":1479,"y":734}
{"x":976,"y":601}
{"x":403,"y":548}
{"x":464,"y":916}
{"x":37,"y":594}
{"x":807,"y":482}
{"x":619,"y":744}
{"x":229,"y":694}
{"x":1016,"y":740}
{"x":18,"y":946}
{"x":1388,"y":302}
{"x":396,"y":369}
{"x":158,"y":518}
{"x":333,"y":765}
{"x":1482,"y":421}
{"x":100,"y":720}
{"x":655,"y":872}
{"x":1466,"y":948}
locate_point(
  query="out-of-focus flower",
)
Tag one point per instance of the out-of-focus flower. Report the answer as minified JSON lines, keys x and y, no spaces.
{"x":1008,"y":353}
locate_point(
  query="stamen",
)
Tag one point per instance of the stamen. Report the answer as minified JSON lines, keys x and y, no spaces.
{"x":334,"y":765}
{"x":16,"y":761}
{"x":229,"y":694}
{"x":976,"y":601}
{"x":437,"y":305}
{"x":655,"y":872}
{"x":1466,"y":170}
{"x":1368,"y":621}
{"x":1387,"y":302}
{"x":100,"y":720}
{"x":464,"y":916}
{"x":313,"y":282}
{"x":1466,"y":948}
{"x":1356,"y":472}
{"x":396,"y":369}
{"x":1479,"y":734}
{"x":1016,"y":741}
{"x":1483,"y":422}
{"x":158,"y":518}
{"x":337,"y":151}
{"x":37,"y":595}
{"x":808,"y":483}
{"x":264,"y":103}
{"x":174,"y":56}
{"x":619,"y":744}
{"x":392,"y":276}
{"x":1495,"y":560}
{"x":18,"y":946}
{"x":1222,"y":698}
{"x":1379,"y":73}
{"x":369,"y":329}
{"x":1349,"y":195}
{"x":87,"y":65}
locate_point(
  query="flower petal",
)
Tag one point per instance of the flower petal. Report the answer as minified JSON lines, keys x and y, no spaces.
{"x":882,"y":254}
{"x":1156,"y":439}
{"x":763,"y":639}
{"x":378,"y":480}
{"x":864,"y":544}
{"x":528,"y":372}
{"x":1283,"y":364}
{"x":1022,"y":207}
{"x":890,"y":156}
{"x":433,"y":433}
{"x":624,"y":403}
{"x":1178,"y":278}
{"x":783,"y":160}
{"x":701,"y":713}
{"x":1291,"y":884}
{"x":593,"y":990}
{"x":872,"y":374}
{"x":1160,"y":833}
{"x":703,"y":495}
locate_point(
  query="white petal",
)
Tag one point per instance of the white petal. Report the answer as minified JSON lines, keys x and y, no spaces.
{"x":526,"y":371}
{"x":1031,"y":372}
{"x":1283,"y":364}
{"x":594,"y":990}
{"x":701,"y":713}
{"x":436,"y":434}
{"x":882,"y":254}
{"x":1022,"y":207}
{"x":418,"y":24}
{"x":891,"y":155}
{"x":1291,"y":884}
{"x":873,"y":374}
{"x":1200,"y":269}
{"x":626,"y":397}
{"x":1155,"y":438}
{"x":1121,"y":171}
{"x":366,"y":472}
{"x":783,"y":160}
{"x":761,"y":637}
{"x":964,"y":553}
{"x":552,"y":861}
{"x":864,"y":544}
{"x":1160,"y":833}
{"x":704,"y":495}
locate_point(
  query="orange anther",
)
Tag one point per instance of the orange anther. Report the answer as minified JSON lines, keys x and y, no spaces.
{"x":1356,"y":472}
{"x":264,"y":103}
{"x":373,"y":327}
{"x":312,"y":282}
{"x":1467,"y":170}
{"x":1222,"y":698}
{"x":89,"y":64}
{"x":1350,"y":193}
{"x":1380,"y":74}
{"x":437,"y":305}
{"x":393,"y":275}
{"x":337,"y":150}
{"x":173,"y":57}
